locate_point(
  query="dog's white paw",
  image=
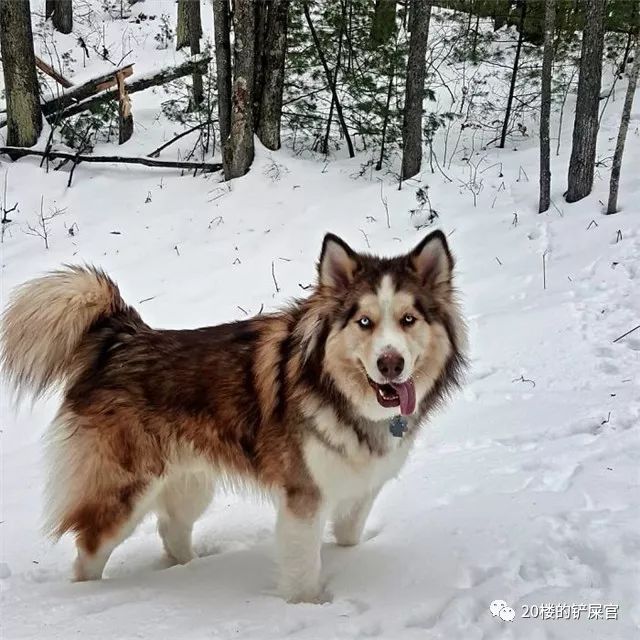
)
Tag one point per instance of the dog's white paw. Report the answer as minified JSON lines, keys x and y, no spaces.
{"x":348,"y":540}
{"x":309,"y":596}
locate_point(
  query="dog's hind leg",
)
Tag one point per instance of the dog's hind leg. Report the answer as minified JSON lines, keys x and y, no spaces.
{"x":101,"y":526}
{"x":183,"y":499}
{"x":349,"y":519}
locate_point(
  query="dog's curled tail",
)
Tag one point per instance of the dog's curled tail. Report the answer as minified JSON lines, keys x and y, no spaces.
{"x":47,"y":321}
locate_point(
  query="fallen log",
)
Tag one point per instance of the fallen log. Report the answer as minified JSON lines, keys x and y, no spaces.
{"x":86,"y":89}
{"x":64,"y":108}
{"x":19,"y":152}
{"x":51,"y":72}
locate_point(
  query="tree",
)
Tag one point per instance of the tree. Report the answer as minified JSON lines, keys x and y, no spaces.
{"x":24,"y":118}
{"x":514,"y":74}
{"x":186,"y":15}
{"x":545,"y":106}
{"x":585,"y":127}
{"x":61,"y":13}
{"x":275,"y":48}
{"x":419,"y":17}
{"x":238,"y":150}
{"x":612,"y":205}
{"x":384,"y":21}
{"x":222,"y":29}
{"x":189,"y":32}
{"x":329,"y":77}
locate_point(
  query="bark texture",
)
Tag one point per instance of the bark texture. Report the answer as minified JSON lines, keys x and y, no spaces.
{"x":238,"y":149}
{"x":222,"y":29}
{"x":545,"y":106}
{"x":188,"y":20}
{"x":419,"y":17}
{"x":612,"y":205}
{"x":585,"y":127}
{"x":24,"y":118}
{"x":275,"y":49}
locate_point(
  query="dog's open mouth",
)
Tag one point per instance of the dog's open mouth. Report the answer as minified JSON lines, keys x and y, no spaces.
{"x":396,"y":394}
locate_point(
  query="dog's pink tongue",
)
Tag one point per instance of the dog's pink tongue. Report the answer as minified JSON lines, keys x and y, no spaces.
{"x":407,"y":394}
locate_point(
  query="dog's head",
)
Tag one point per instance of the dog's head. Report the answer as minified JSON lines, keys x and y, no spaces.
{"x":393,"y":327}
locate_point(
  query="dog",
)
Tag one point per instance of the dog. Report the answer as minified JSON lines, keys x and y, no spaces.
{"x":316,"y":406}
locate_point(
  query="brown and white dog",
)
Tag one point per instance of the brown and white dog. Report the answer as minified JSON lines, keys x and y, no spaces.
{"x":317,"y":405}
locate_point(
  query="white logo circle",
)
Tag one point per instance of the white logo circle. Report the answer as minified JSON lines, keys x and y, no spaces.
{"x":507,"y":614}
{"x":496,"y":606}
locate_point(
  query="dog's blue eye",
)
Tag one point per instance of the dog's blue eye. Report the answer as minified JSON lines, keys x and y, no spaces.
{"x":408,"y":320}
{"x":365,"y":323}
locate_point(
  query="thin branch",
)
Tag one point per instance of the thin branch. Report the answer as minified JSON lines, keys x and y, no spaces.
{"x":19,"y":152}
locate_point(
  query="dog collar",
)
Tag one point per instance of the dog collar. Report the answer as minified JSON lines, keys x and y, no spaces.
{"x":398,"y":426}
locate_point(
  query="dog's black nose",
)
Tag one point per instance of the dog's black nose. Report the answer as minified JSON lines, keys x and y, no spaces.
{"x":390,"y":364}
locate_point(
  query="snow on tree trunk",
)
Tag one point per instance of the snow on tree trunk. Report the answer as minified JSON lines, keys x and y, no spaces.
{"x":612,"y":205}
{"x":238,"y":149}
{"x":222,"y":29}
{"x":545,"y":106}
{"x":585,"y":127}
{"x":419,"y":17}
{"x":24,"y":118}
{"x":273,"y":75}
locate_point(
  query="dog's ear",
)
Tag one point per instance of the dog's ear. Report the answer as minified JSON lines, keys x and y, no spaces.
{"x":432,"y":260}
{"x":338,"y":263}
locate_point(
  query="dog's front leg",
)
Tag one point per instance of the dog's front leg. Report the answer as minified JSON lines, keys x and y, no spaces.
{"x":299,"y":539}
{"x":349,"y":519}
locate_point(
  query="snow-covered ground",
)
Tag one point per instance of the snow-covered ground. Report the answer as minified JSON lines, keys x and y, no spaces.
{"x":524,"y":489}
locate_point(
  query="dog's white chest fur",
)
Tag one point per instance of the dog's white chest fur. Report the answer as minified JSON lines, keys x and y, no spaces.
{"x":345,"y":468}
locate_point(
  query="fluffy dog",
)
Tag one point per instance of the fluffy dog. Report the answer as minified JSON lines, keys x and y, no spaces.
{"x":317,"y":405}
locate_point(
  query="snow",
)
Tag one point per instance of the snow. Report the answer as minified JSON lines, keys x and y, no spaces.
{"x":524,"y":489}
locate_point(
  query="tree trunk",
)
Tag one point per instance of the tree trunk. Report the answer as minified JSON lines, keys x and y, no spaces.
{"x":195,"y":33}
{"x":612,"y":206}
{"x":419,"y":17}
{"x":387,"y":110}
{"x":514,"y":75}
{"x":24,"y":118}
{"x":188,"y":15}
{"x":222,"y":29}
{"x":262,"y":10}
{"x":336,"y":70}
{"x":238,"y":149}
{"x":273,"y":75}
{"x":329,"y":77}
{"x":585,"y":127}
{"x":61,"y":12}
{"x":545,"y":106}
{"x":189,"y":32}
{"x":384,"y":22}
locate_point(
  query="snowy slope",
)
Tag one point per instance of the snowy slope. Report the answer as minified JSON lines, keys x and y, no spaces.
{"x":524,"y":489}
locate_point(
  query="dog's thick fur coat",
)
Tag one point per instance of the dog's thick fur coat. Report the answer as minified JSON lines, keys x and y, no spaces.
{"x":290,"y":403}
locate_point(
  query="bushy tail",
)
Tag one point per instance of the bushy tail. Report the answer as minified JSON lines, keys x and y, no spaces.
{"x":46,"y":322}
